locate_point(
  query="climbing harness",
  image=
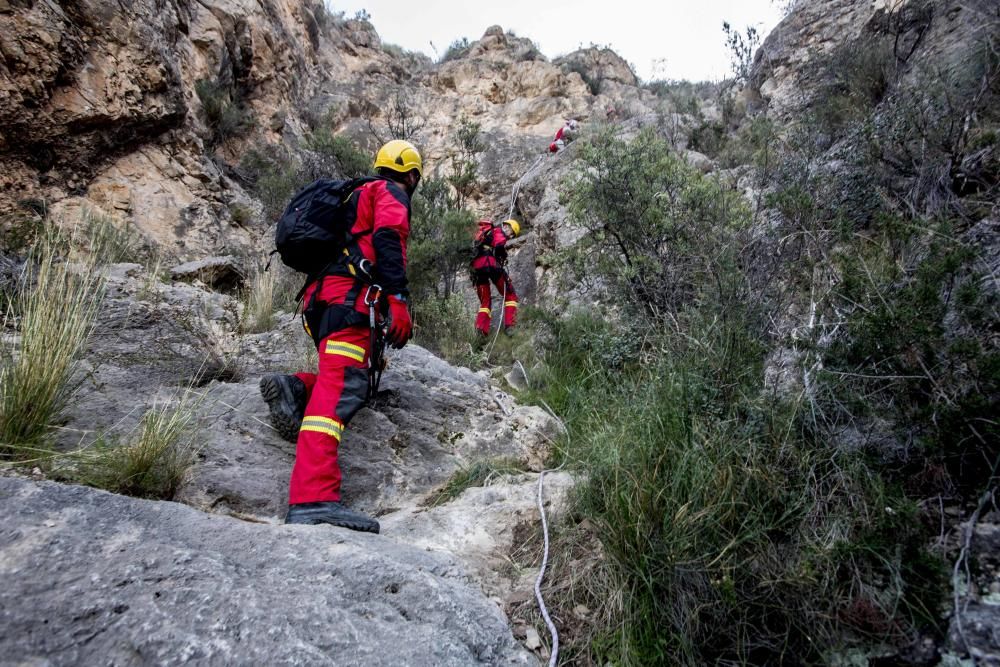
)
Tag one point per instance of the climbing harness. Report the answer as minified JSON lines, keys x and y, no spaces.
{"x":376,"y":358}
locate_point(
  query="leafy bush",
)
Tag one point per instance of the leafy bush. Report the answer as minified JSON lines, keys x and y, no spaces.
{"x":464,"y":159}
{"x":656,"y":227}
{"x":350,"y":161}
{"x":742,"y":47}
{"x":273,"y":175}
{"x":912,"y":302}
{"x":730,"y":537}
{"x":440,"y":241}
{"x":730,"y":528}
{"x":445,"y":327}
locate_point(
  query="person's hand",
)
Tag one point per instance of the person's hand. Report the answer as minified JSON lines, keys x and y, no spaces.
{"x":400,"y":325}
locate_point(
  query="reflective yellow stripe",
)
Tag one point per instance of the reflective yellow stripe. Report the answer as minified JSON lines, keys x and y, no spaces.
{"x":345,"y":350}
{"x":510,"y":304}
{"x":323,"y":420}
{"x":323,"y":425}
{"x":484,"y":310}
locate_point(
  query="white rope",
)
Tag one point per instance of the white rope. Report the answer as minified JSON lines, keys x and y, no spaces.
{"x":513,"y":202}
{"x":554,"y":656}
{"x":501,"y":319}
{"x":517,"y":186}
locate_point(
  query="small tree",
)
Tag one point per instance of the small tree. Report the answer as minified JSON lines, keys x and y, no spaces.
{"x":659,"y":231}
{"x":465,"y":160}
{"x":741,"y":49}
{"x":440,"y":238}
{"x":398,"y":119}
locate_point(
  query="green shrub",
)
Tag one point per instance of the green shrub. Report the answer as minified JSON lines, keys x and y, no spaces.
{"x":241,"y":214}
{"x":742,"y":47}
{"x":445,"y":326}
{"x":913,"y":307}
{"x":56,"y":308}
{"x":222,"y":110}
{"x":733,"y":538}
{"x":456,"y":50}
{"x":273,"y":175}
{"x":733,"y":530}
{"x":350,"y":161}
{"x":657,"y":228}
{"x":440,"y":241}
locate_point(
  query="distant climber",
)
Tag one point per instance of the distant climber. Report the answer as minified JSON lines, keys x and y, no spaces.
{"x":566,"y":134}
{"x":313,"y":410}
{"x":490,"y":266}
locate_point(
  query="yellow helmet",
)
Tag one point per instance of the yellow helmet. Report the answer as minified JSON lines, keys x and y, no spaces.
{"x":514,"y":225}
{"x":399,"y":155}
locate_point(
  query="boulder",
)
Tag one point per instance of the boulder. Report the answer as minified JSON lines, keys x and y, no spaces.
{"x":95,"y":578}
{"x":222,"y":274}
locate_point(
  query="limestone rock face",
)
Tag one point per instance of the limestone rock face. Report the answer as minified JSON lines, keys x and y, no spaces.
{"x":600,"y":65}
{"x":128,"y":581}
{"x":99,"y":108}
{"x":937,"y":33}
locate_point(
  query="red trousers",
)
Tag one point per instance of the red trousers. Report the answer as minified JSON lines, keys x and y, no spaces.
{"x":335,"y":396}
{"x":506,"y":289}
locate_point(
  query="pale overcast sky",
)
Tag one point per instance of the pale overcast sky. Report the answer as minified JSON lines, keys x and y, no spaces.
{"x":684,"y":36}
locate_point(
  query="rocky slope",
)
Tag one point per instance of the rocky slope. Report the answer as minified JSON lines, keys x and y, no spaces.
{"x":101,"y":111}
{"x":430,"y":421}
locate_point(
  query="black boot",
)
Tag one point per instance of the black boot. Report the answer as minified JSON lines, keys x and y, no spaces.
{"x":286,"y":399}
{"x":333,"y":513}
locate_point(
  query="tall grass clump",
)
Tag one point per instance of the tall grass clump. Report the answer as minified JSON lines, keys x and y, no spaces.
{"x":108,"y":242}
{"x":258,"y":300}
{"x":149,"y":462}
{"x":479,"y":473}
{"x":55,"y":313}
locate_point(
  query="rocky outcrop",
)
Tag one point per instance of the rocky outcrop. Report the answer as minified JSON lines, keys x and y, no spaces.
{"x":791,"y":68}
{"x":91,"y":577}
{"x":99,"y":104}
{"x":597,"y":66}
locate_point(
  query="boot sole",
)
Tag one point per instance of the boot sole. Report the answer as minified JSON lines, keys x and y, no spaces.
{"x":276,"y":394}
{"x":352,"y":525}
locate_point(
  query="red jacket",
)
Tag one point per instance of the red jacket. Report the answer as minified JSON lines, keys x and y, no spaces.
{"x":381,"y":210}
{"x":491,"y":247}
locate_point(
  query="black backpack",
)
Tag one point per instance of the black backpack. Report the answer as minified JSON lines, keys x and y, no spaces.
{"x":315,"y":229}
